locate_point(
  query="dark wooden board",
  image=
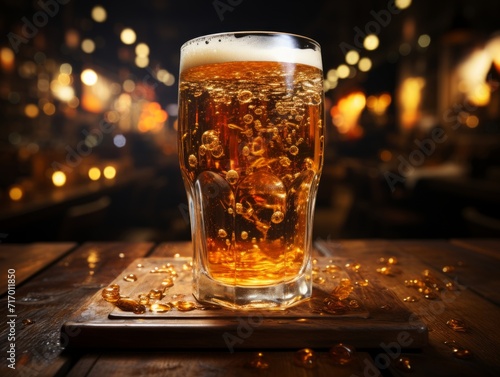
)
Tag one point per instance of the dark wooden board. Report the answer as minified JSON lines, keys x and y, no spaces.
{"x":28,"y":259}
{"x":381,"y":317}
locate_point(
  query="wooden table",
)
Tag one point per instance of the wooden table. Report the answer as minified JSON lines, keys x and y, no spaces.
{"x":53,"y":281}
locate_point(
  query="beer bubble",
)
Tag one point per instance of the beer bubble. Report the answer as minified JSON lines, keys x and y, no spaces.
{"x":247,"y":118}
{"x":245,"y":96}
{"x":202,"y":150}
{"x":244,"y":235}
{"x":284,"y":161}
{"x":308,"y":163}
{"x":222,"y":233}
{"x":258,"y":111}
{"x":257,"y":124}
{"x":245,"y":151}
{"x":294,"y":150}
{"x":257,"y":146}
{"x":192,"y":160}
{"x":210,"y":139}
{"x":217,"y":151}
{"x":232,"y":177}
{"x":277,"y":217}
{"x":239,"y":208}
{"x":198,"y":92}
{"x":299,"y":117}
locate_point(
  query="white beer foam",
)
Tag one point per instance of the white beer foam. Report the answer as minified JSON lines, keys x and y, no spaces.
{"x":221,"y":48}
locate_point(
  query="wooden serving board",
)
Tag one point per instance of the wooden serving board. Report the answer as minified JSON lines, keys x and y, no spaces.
{"x":375,"y":316}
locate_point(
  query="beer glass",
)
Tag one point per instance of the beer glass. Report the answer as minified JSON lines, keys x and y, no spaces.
{"x":250,"y":144}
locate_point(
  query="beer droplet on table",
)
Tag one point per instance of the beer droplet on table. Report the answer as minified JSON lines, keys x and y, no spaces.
{"x":410,"y":299}
{"x":244,"y":235}
{"x":404,"y":364}
{"x":167,"y":283}
{"x":305,"y":358}
{"x":130,"y":278}
{"x":232,"y":177}
{"x":143,"y":299}
{"x":258,"y":361}
{"x":277,"y":217}
{"x":294,"y":150}
{"x":457,"y":325}
{"x":130,"y":305}
{"x":184,"y":306}
{"x":245,"y":96}
{"x":160,"y":308}
{"x":140,"y":265}
{"x":28,"y":322}
{"x":462,"y":353}
{"x":192,"y":160}
{"x":121,"y":255}
{"x":155,"y":294}
{"x":111,"y":293}
{"x":222,"y":233}
{"x":342,"y":354}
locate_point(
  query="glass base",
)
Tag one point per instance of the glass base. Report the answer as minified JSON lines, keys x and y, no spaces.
{"x":278,"y":296}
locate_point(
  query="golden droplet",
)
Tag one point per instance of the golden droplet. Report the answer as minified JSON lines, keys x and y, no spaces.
{"x":140,"y":265}
{"x":130,"y":278}
{"x":404,"y":364}
{"x":457,"y":325}
{"x":167,"y":283}
{"x":463,"y":353}
{"x":319,"y":280}
{"x":160,"y":308}
{"x":258,"y":361}
{"x":447,"y":269}
{"x":334,"y":306}
{"x":305,"y":358}
{"x":28,"y":322}
{"x":130,"y":305}
{"x":143,"y":299}
{"x":410,"y":299}
{"x":111,"y":293}
{"x":342,"y":354}
{"x":184,"y":306}
{"x":155,"y":294}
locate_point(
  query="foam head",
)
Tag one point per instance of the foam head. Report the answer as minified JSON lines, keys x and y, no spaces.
{"x":250,"y":46}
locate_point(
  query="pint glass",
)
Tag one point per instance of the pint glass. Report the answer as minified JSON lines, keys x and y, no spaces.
{"x":250,"y":144}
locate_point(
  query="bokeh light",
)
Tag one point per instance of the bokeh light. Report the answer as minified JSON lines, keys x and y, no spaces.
{"x":58,"y":178}
{"x":128,"y":36}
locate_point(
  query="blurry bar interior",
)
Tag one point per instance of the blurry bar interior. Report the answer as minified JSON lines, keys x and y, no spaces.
{"x":88,"y":104}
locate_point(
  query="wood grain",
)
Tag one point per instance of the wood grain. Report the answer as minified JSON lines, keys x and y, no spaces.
{"x":51,"y":298}
{"x":28,"y":259}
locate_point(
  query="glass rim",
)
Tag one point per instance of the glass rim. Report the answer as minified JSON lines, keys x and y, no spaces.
{"x":257,"y":33}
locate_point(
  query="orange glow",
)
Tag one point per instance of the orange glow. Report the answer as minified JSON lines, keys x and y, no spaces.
{"x":16,"y":193}
{"x":7,"y":59}
{"x":385,"y":155}
{"x":152,"y":117}
{"x":472,"y":121}
{"x":480,"y":94}
{"x":410,"y":97}
{"x":94,"y":173}
{"x":109,"y":172}
{"x":58,"y":178}
{"x":378,"y":105}
{"x":346,"y":113}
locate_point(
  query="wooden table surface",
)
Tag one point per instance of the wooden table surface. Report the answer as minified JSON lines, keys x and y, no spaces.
{"x":53,"y":281}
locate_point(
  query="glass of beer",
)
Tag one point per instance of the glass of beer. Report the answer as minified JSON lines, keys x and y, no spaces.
{"x":251,"y":145}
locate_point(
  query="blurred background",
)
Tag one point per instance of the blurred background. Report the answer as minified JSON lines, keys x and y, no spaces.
{"x":88,"y":104}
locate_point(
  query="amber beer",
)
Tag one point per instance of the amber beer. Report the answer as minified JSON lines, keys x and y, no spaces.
{"x":251,"y":152}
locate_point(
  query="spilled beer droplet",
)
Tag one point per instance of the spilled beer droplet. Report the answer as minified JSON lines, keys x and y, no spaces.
{"x":184,"y":306}
{"x":167,"y":283}
{"x":410,"y":299}
{"x":130,"y":278}
{"x":456,"y":325}
{"x":111,"y":293}
{"x":130,"y":305}
{"x":258,"y":361}
{"x":305,"y":358}
{"x":160,"y":308}
{"x":28,"y":322}
{"x":342,"y":354}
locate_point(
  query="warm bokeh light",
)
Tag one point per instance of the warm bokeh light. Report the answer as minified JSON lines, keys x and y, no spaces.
{"x":58,"y":178}
{"x":346,"y":113}
{"x":378,"y":104}
{"x":16,"y":193}
{"x":343,"y":71}
{"x":7,"y":58}
{"x":371,"y":42}
{"x":365,"y":64}
{"x":31,"y":110}
{"x":385,"y":155}
{"x":402,"y":4}
{"x":49,"y":108}
{"x":352,"y":57}
{"x":410,"y":96}
{"x":94,"y":173}
{"x":88,"y":46}
{"x":128,"y":36}
{"x":142,"y":49}
{"x":332,"y":75}
{"x":99,"y":14}
{"x":64,"y":79}
{"x":89,"y":77}
{"x":64,"y":93}
{"x":128,"y":85}
{"x":66,"y":68}
{"x":109,"y":172}
{"x":480,"y":95}
{"x":152,"y":117}
{"x":472,"y":121}
{"x":424,"y":40}
{"x":141,"y":61}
